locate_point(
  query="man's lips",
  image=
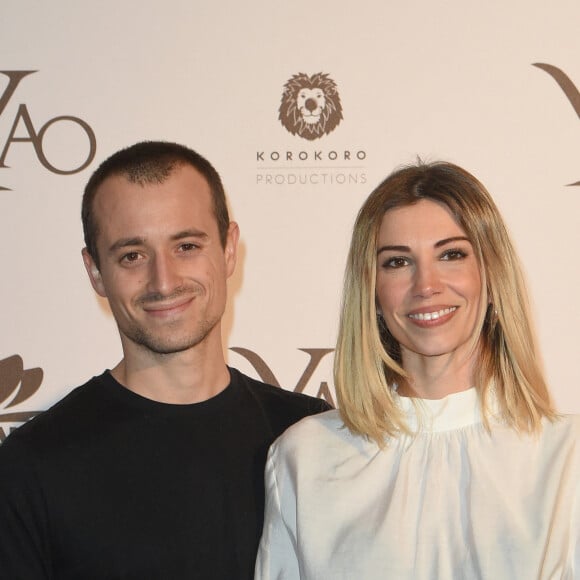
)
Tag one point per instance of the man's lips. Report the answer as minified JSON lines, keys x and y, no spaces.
{"x":167,"y":308}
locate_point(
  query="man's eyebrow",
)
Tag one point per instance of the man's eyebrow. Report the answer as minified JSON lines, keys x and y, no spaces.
{"x":193,"y":233}
{"x":138,"y":241}
{"x":437,"y":245}
{"x":125,"y":243}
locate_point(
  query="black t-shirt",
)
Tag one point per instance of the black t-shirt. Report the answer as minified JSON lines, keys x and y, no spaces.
{"x":110,"y":485}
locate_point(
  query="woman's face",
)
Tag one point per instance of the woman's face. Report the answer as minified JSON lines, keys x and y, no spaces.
{"x":428,"y":280}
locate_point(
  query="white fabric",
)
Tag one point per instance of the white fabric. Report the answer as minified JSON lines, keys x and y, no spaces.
{"x":455,"y":502}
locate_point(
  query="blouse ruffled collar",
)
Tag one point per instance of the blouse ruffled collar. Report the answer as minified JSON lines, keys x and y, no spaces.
{"x":454,"y":411}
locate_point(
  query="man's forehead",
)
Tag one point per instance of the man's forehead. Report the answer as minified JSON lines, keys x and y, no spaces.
{"x":181,"y":202}
{"x":184,"y":181}
{"x":144,"y":176}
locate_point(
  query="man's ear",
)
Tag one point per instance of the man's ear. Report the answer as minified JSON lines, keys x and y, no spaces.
{"x":94,"y":274}
{"x":231,"y":247}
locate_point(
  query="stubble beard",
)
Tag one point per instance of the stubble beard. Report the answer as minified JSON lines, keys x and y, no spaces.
{"x":165,"y":342}
{"x":172,"y":337}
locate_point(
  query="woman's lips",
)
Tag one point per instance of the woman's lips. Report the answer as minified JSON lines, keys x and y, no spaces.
{"x":432,"y":316}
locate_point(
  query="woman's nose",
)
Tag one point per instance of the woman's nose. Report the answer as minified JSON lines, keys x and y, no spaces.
{"x":427,"y":281}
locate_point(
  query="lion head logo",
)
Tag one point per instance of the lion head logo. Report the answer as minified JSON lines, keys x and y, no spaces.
{"x":310,"y":106}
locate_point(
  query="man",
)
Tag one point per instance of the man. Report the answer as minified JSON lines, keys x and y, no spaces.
{"x":155,"y":468}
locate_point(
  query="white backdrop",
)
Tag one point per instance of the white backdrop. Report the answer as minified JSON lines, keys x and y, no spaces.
{"x":447,"y":80}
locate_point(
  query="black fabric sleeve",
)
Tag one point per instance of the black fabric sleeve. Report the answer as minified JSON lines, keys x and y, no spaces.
{"x":24,"y":538}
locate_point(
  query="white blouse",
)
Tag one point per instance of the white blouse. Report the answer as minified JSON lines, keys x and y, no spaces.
{"x":454,"y":502}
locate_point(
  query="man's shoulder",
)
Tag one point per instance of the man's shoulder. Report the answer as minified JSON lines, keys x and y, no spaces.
{"x":282,"y":407}
{"x":73,"y":409}
{"x":278,"y":396}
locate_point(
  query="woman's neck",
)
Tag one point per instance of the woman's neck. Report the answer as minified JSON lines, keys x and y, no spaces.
{"x":435,"y":377}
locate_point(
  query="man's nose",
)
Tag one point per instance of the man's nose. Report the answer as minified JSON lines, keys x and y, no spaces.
{"x":163,"y":275}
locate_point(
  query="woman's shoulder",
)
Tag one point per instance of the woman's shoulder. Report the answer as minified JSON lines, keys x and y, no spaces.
{"x":327,"y":424}
{"x":320,"y":441}
{"x":562,"y":433}
{"x":565,"y":423}
{"x":313,"y":435}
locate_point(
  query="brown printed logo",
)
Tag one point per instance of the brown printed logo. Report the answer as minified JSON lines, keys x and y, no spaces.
{"x":564,"y":82}
{"x":266,"y":375}
{"x":35,"y":135}
{"x":310,"y":106}
{"x":16,"y":386}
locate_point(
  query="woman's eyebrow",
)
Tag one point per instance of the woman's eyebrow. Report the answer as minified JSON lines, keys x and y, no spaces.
{"x":453,"y":239}
{"x":393,"y":249}
{"x":437,"y":245}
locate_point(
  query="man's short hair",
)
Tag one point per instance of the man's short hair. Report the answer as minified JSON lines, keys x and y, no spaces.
{"x":150,"y":162}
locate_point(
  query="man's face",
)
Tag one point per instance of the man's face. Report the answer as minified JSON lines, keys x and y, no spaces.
{"x":162,"y":266}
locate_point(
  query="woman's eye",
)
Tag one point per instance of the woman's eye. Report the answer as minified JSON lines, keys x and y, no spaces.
{"x":396,"y":262}
{"x":450,"y":255}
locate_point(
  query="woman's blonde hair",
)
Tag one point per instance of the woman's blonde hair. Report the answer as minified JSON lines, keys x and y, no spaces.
{"x":367,"y":360}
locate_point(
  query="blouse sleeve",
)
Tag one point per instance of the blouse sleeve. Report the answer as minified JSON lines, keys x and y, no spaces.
{"x":277,"y":555}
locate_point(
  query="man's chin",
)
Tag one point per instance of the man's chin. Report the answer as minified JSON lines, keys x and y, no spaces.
{"x":169,"y":342}
{"x":168,"y":347}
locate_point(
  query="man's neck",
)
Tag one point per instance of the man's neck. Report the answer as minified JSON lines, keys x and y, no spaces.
{"x":191,"y":376}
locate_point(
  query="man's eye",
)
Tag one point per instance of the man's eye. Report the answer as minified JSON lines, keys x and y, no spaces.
{"x":130,"y":257}
{"x":187,"y":247}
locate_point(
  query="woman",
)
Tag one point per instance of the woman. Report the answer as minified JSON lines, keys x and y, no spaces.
{"x":447,"y":459}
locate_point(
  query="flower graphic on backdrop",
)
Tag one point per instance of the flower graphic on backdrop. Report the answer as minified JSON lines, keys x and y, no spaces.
{"x":16,"y":386}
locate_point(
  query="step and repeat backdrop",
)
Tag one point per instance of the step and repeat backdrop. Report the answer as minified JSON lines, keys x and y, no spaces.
{"x":494,"y":87}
